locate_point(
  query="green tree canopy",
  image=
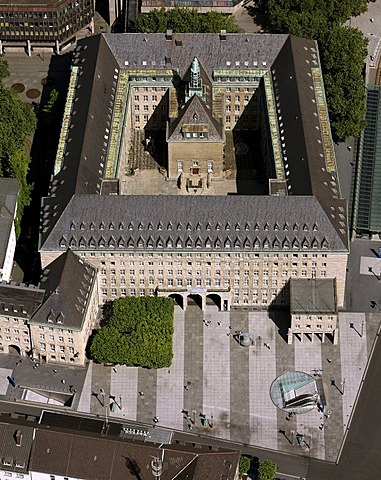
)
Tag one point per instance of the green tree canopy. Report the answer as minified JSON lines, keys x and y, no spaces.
{"x":308,"y":16}
{"x":17,"y":122}
{"x":244,"y":465}
{"x":4,"y":69}
{"x":343,"y":53}
{"x":267,"y":470}
{"x":138,"y":332}
{"x":185,"y":20}
{"x":342,"y":49}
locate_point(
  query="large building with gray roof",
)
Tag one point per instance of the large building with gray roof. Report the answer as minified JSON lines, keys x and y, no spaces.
{"x":198,"y":165}
{"x":52,"y":322}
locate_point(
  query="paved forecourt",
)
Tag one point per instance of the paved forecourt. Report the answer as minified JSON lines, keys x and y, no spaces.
{"x":217,"y":388}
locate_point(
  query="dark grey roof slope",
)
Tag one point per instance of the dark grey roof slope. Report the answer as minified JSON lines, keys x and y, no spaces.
{"x":19,"y":300}
{"x":13,"y":457}
{"x":85,"y":151}
{"x":68,"y":282}
{"x":195,"y":112}
{"x":208,"y":222}
{"x":313,"y":295}
{"x":9,"y":189}
{"x":305,"y":158}
{"x":86,"y":457}
{"x":148,"y":50}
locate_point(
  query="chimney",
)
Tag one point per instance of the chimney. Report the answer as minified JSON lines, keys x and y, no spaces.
{"x":223,"y":35}
{"x":18,"y":437}
{"x":168,"y":35}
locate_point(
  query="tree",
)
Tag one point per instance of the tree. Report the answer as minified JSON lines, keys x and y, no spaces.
{"x":17,"y":122}
{"x":18,"y":167}
{"x":53,"y":97}
{"x":267,"y":470}
{"x":138,"y":332}
{"x":4,"y":69}
{"x":185,"y":20}
{"x":310,"y":16}
{"x":343,"y":53}
{"x":244,"y":465}
{"x":342,"y":50}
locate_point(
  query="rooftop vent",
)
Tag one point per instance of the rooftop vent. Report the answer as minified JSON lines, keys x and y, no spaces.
{"x":223,"y":35}
{"x":168,"y":35}
{"x":178,"y":43}
{"x":18,"y":437}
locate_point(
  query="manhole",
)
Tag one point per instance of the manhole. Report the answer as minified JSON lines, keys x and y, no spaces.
{"x":18,"y":87}
{"x":33,"y":93}
{"x":44,"y":81}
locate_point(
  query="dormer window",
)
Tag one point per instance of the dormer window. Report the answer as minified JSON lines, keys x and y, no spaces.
{"x":121,"y":226}
{"x":92,"y":226}
{"x":160,"y":226}
{"x":237,"y":227}
{"x":179,"y":226}
{"x":227,"y":226}
{"x":189,"y":226}
{"x":111,"y":226}
{"x":72,"y":226}
{"x":150,"y":227}
{"x":102,"y":226}
{"x":82,"y":226}
{"x":140,"y":226}
{"x":169,"y":226}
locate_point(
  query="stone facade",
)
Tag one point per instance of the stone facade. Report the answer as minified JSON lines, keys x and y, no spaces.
{"x":313,"y":309}
{"x":194,"y":92}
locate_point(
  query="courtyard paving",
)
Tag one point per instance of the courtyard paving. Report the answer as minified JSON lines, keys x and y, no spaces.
{"x":220,"y":389}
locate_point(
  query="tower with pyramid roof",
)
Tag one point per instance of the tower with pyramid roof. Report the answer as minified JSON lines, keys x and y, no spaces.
{"x":195,"y":138}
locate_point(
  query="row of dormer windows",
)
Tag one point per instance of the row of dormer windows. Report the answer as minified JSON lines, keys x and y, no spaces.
{"x":179,"y":226}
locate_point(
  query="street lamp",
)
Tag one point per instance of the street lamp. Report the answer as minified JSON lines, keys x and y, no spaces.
{"x":342,"y":386}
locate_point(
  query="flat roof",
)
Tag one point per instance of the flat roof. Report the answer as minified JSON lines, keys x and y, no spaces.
{"x":312,"y":295}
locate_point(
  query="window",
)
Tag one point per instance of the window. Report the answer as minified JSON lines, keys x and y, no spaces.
{"x":179,"y":166}
{"x":210,"y":167}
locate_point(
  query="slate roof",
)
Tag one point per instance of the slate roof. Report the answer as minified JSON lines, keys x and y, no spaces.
{"x":208,"y":222}
{"x":290,"y":61}
{"x":301,"y":131}
{"x":85,"y":150}
{"x":80,"y":456}
{"x":195,"y":112}
{"x":9,"y":189}
{"x":151,"y":50}
{"x":68,"y":282}
{"x":15,"y":458}
{"x":313,"y":295}
{"x":19,"y":300}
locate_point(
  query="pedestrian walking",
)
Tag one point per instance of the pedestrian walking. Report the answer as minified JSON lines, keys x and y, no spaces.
{"x":329,"y":360}
{"x":54,"y":370}
{"x":141,"y":394}
{"x":218,"y":323}
{"x":186,"y":387}
{"x":63,"y":381}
